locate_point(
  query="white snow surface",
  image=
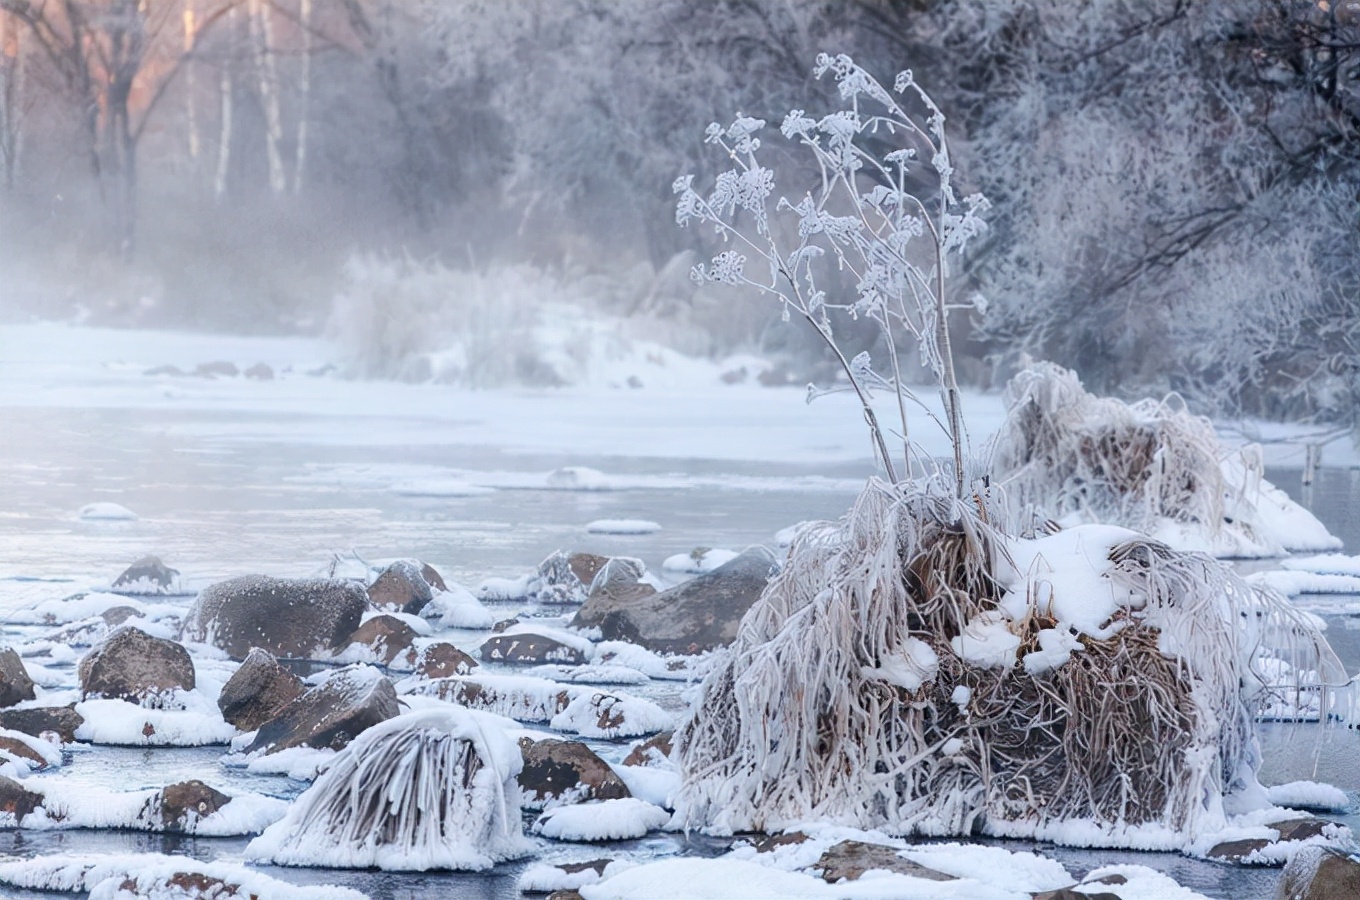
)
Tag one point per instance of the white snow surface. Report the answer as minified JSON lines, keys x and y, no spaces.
{"x":1309,"y":795}
{"x":698,"y":561}
{"x":121,"y":723}
{"x":622,"y":526}
{"x":67,"y":806}
{"x":106,"y":511}
{"x":458,"y":608}
{"x":601,"y":820}
{"x":102,"y":875}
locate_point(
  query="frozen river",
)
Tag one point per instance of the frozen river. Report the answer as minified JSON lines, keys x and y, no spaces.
{"x":223,"y":484}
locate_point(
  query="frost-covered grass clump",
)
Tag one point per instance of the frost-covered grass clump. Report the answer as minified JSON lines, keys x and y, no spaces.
{"x":430,"y":789}
{"x":916,"y":670}
{"x":1151,"y":466}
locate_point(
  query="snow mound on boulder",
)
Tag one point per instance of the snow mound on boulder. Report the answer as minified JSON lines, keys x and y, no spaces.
{"x":430,"y":789}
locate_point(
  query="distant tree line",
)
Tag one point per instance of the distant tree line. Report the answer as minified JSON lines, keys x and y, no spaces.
{"x":1175,"y":183}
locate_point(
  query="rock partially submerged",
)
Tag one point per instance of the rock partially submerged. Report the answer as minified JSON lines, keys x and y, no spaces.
{"x":37,"y":720}
{"x":1320,"y":873}
{"x":147,"y":575}
{"x":557,"y":771}
{"x":331,"y":713}
{"x":257,"y":691}
{"x":290,"y":617}
{"x":428,"y":789}
{"x":406,"y":585}
{"x":692,"y":617}
{"x":134,"y":666}
{"x":385,"y":637}
{"x":15,"y":684}
{"x":443,"y":660}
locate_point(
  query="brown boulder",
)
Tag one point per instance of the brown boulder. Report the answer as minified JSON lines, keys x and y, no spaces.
{"x":527,"y":647}
{"x":442,"y":660}
{"x":15,"y":685}
{"x":405,"y":586}
{"x":332,"y":713}
{"x":132,"y":665}
{"x":260,"y":372}
{"x":178,"y":801}
{"x":645,"y":753}
{"x":289,"y":617}
{"x":500,"y":698}
{"x":257,"y":691}
{"x":585,"y":566}
{"x":851,"y":859}
{"x":17,"y":800}
{"x":387,"y":636}
{"x":692,"y":617}
{"x":60,"y":720}
{"x":21,"y":749}
{"x":1319,"y":873}
{"x":554,"y":770}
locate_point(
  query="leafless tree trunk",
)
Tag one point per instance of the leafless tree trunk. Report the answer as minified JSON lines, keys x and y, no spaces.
{"x":261,"y":34}
{"x":11,"y":98}
{"x":224,"y":119}
{"x":190,"y":86}
{"x":305,"y":92}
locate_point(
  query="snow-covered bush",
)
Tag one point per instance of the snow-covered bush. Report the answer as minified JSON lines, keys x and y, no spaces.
{"x":1151,"y":466}
{"x":417,"y":321}
{"x":914,"y":669}
{"x":869,"y":217}
{"x":429,"y":789}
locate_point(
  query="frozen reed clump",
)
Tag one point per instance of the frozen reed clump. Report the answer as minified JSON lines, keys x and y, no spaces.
{"x":434,"y":789}
{"x":1151,"y":466}
{"x":914,"y":669}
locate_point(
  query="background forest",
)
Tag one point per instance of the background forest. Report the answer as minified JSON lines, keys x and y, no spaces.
{"x":480,"y":191}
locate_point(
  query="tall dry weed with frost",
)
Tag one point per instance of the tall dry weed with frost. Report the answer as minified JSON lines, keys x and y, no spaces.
{"x":891,"y":218}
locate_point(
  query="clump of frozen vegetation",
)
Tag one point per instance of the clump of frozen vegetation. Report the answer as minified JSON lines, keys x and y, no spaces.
{"x":920,"y":668}
{"x":1152,"y":466}
{"x":914,"y":669}
{"x":429,"y":789}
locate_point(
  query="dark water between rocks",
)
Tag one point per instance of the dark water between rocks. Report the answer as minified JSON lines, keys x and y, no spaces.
{"x":217,"y":508}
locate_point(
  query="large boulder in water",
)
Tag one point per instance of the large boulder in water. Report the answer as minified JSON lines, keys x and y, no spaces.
{"x":15,"y":684}
{"x":134,"y":666}
{"x":330,"y":714}
{"x":1319,"y":873}
{"x":407,"y":585}
{"x":257,"y":691}
{"x":147,"y":575}
{"x":289,"y":617}
{"x":698,"y":615}
{"x":566,"y":770}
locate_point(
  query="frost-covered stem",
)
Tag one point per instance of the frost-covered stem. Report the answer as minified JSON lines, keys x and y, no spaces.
{"x":948,"y":378}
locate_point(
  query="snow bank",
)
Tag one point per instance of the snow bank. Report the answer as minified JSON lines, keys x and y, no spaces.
{"x":458,"y":608}
{"x":119,"y":723}
{"x":103,"y":876}
{"x":601,"y":820}
{"x":106,"y":512}
{"x":698,"y":561}
{"x":429,"y":789}
{"x":589,"y":713}
{"x":67,"y":806}
{"x":712,"y":879}
{"x":1309,"y":795}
